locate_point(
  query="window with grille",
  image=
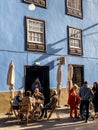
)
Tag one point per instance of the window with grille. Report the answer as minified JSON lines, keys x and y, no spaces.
{"x":74,"y":8}
{"x":74,"y":41}
{"x":35,"y":34}
{"x":41,"y":3}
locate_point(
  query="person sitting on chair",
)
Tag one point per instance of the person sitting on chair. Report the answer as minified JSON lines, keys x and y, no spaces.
{"x":26,"y":107}
{"x":39,"y":97}
{"x":39,"y":102}
{"x":51,"y":105}
{"x":27,"y":99}
{"x":17,"y":99}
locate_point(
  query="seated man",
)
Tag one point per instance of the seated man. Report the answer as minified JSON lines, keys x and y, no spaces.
{"x":51,"y":104}
{"x":39,"y":97}
{"x":39,"y":102}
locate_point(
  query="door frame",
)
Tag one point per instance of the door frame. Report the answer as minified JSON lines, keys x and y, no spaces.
{"x":37,"y":71}
{"x":82,"y":74}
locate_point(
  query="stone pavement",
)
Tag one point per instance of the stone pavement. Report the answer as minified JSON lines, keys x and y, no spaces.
{"x":55,"y":122}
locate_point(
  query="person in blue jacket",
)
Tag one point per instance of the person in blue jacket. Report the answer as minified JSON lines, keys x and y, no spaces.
{"x":85,"y":93}
{"x":36,"y":84}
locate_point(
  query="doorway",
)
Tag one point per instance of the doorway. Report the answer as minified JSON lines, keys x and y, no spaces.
{"x":42,"y":72}
{"x":78,"y":75}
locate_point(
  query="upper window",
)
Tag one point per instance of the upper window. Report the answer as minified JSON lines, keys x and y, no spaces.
{"x":74,"y":8}
{"x":41,"y":3}
{"x":35,"y":34}
{"x":74,"y":41}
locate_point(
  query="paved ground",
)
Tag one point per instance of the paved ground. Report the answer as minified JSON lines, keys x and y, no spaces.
{"x":63,"y":122}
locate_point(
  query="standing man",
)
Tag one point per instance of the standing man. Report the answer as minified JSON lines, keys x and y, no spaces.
{"x":36,"y":84}
{"x":85,"y":93}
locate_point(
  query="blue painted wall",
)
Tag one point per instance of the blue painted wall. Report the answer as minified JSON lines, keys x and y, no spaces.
{"x":12,"y":40}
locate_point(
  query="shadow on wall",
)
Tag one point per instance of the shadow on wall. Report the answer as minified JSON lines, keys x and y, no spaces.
{"x":51,"y":46}
{"x":91,"y":33}
{"x":51,"y":50}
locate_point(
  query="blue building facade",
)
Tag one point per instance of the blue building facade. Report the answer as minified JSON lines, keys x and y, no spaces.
{"x":57,"y":23}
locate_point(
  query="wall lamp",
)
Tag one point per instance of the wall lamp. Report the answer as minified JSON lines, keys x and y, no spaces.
{"x":37,"y":63}
{"x":61,"y":60}
{"x":31,"y":7}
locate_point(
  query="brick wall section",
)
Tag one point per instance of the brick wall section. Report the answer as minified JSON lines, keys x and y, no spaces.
{"x":5,"y":100}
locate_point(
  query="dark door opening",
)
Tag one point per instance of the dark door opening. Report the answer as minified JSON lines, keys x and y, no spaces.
{"x":78,"y":74}
{"x":31,"y":72}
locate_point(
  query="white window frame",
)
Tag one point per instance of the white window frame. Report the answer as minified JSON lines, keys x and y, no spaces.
{"x":75,"y":41}
{"x":74,"y":8}
{"x":75,"y":37}
{"x":35,"y":32}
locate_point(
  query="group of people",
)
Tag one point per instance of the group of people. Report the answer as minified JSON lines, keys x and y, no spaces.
{"x":25,"y":97}
{"x":78,"y":98}
{"x":36,"y":100}
{"x":81,"y":97}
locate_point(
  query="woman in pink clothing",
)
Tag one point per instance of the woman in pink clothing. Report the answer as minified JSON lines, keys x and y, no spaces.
{"x":73,"y":101}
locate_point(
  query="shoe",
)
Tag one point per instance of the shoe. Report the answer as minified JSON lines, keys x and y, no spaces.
{"x":45,"y":116}
{"x":82,"y":118}
{"x":86,"y":121}
{"x":75,"y":119}
{"x":40,"y":117}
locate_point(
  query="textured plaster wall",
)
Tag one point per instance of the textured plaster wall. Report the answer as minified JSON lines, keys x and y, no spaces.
{"x":12,"y":40}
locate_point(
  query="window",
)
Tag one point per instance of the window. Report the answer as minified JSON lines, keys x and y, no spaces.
{"x":74,"y":8}
{"x":74,"y":41}
{"x":41,"y":3}
{"x":35,"y":34}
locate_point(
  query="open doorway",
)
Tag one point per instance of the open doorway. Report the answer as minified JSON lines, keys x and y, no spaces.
{"x":78,"y":74}
{"x":31,"y":72}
